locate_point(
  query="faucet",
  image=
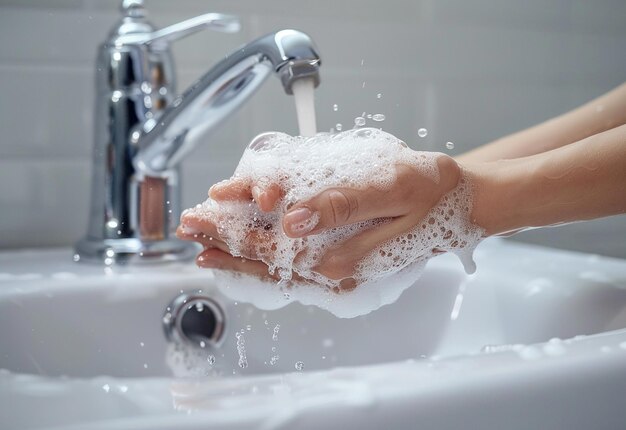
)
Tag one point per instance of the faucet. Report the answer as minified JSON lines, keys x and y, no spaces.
{"x":143,"y":130}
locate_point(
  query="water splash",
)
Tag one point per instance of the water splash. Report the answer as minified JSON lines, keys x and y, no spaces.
{"x":241,"y":350}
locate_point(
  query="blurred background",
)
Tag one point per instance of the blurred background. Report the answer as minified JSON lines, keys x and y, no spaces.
{"x":467,"y":71}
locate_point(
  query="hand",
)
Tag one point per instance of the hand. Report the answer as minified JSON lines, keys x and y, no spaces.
{"x":404,"y":205}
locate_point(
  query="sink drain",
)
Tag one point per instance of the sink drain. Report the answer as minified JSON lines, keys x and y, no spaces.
{"x":194,"y":320}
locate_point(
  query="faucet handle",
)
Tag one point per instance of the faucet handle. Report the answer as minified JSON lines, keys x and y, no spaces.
{"x":213,"y":21}
{"x":134,"y":9}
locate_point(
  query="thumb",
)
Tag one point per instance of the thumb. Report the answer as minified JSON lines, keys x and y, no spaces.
{"x":337,"y":207}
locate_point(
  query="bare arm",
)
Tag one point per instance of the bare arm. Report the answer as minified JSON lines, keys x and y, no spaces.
{"x":601,"y":114}
{"x":581,"y":181}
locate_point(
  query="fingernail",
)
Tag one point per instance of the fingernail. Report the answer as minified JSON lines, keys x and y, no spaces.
{"x":208,"y":263}
{"x":301,"y":221}
{"x":184,"y":228}
{"x":256,"y":193}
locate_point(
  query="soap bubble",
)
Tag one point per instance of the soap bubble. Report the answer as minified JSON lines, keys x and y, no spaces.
{"x":378,"y":117}
{"x":422,"y":132}
{"x":338,"y":126}
{"x":299,"y":366}
{"x":449,"y":145}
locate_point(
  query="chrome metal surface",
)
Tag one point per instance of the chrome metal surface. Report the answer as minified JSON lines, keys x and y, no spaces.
{"x":194,"y":320}
{"x":143,"y":130}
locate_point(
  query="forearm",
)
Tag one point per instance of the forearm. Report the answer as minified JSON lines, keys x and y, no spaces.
{"x":581,"y":181}
{"x":605,"y":112}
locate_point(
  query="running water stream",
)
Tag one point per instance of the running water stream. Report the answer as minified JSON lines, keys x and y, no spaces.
{"x":304,"y":97}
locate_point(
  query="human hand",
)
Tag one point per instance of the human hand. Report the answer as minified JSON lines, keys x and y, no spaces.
{"x":402,"y":207}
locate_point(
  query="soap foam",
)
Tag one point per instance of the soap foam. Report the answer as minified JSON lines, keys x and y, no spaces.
{"x":304,"y":167}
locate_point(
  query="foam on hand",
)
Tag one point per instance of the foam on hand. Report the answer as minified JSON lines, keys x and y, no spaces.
{"x":303,"y":167}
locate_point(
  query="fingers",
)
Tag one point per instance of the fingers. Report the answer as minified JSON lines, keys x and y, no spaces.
{"x":266,"y":197}
{"x":232,"y":189}
{"x":203,"y":239}
{"x":191,"y":223}
{"x":342,"y":206}
{"x":216,"y":259}
{"x":264,"y":194}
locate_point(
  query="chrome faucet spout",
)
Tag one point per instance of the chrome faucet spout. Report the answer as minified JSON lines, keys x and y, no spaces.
{"x":143,"y":130}
{"x":216,"y":95}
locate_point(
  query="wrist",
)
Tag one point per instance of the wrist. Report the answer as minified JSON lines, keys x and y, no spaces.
{"x":497,"y":195}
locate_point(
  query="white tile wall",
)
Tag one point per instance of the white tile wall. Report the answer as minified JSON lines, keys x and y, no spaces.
{"x":468,"y":71}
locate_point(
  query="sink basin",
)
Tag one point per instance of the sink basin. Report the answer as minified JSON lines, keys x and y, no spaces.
{"x":536,"y":337}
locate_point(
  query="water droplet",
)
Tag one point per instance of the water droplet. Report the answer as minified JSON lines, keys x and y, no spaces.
{"x":359,"y":121}
{"x":141,"y":344}
{"x":274,"y":359}
{"x":199,"y":307}
{"x":379,"y":95}
{"x":335,"y":107}
{"x":211,"y":359}
{"x":202,"y":344}
{"x":422,"y":132}
{"x":76,"y":257}
{"x":449,"y":145}
{"x":145,"y":365}
{"x":275,"y":334}
{"x":248,"y":327}
{"x":338,"y":126}
{"x":106,"y":388}
{"x":378,"y":117}
{"x":299,"y":366}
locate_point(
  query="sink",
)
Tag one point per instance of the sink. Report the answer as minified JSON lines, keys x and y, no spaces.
{"x":535,"y":338}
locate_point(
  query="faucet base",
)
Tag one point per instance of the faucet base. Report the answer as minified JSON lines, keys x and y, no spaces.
{"x":134,"y":251}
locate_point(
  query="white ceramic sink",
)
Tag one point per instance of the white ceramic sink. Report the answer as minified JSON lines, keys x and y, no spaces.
{"x":535,"y":339}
